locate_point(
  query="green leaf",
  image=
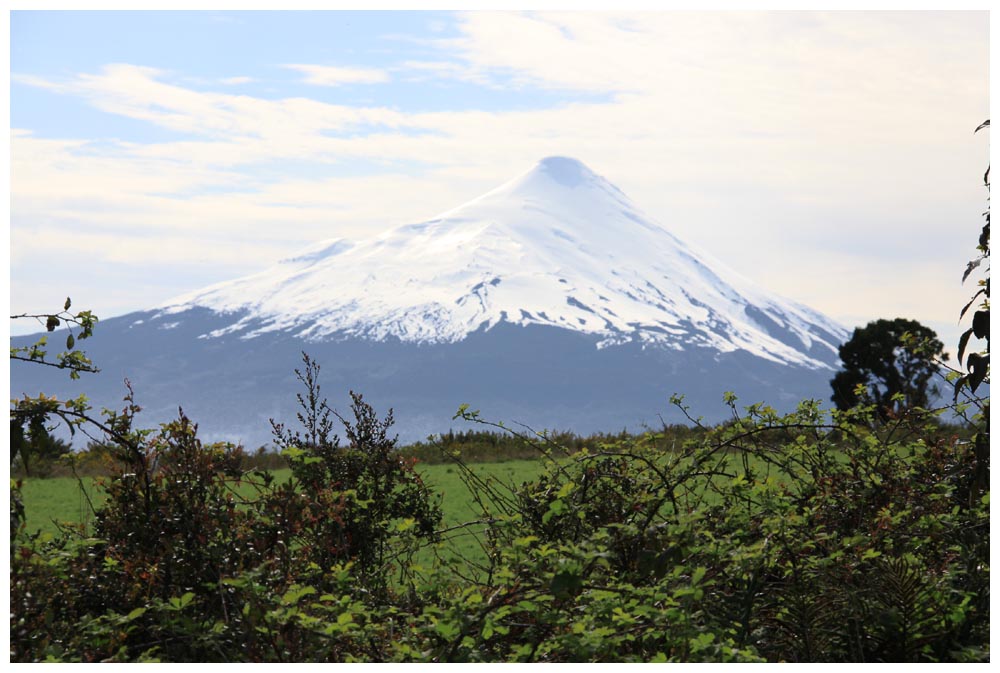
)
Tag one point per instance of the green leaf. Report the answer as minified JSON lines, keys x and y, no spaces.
{"x":963,"y":341}
{"x":566,"y":489}
{"x":295,"y":592}
{"x":701,"y":641}
{"x":566,"y":584}
{"x":292,"y":452}
{"x":182,"y":602}
{"x":978,"y":365}
{"x":959,"y":384}
{"x":969,"y":305}
{"x":463,"y":412}
{"x":981,"y":324}
{"x":556,"y":508}
{"x":447,"y":630}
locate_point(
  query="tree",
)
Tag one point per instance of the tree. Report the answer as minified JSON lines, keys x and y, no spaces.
{"x":888,"y":363}
{"x":33,"y":450}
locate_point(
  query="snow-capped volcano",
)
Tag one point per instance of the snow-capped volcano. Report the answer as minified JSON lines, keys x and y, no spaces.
{"x":550,"y":301}
{"x":557,"y":246}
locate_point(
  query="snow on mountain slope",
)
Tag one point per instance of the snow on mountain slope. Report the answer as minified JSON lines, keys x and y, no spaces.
{"x":557,"y":246}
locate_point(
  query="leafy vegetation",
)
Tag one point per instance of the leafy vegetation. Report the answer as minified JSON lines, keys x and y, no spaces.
{"x":816,"y":536}
{"x":888,"y":363}
{"x":79,"y":326}
{"x":859,"y":534}
{"x":33,"y":450}
{"x":978,"y":364}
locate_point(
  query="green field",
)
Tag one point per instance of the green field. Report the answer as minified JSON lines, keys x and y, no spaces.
{"x":67,"y":500}
{"x":630,"y":552}
{"x":62,"y":499}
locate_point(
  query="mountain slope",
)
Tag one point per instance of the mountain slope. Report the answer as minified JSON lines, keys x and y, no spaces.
{"x":557,"y":246}
{"x":550,"y":301}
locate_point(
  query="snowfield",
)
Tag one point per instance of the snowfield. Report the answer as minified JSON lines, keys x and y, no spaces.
{"x":557,"y":246}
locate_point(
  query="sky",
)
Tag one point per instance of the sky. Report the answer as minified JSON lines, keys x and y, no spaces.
{"x":829,"y":156}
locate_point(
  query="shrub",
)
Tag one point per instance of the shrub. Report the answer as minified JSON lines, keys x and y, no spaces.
{"x":812,"y":536}
{"x":350,"y":502}
{"x":185,"y":565}
{"x":805,"y":537}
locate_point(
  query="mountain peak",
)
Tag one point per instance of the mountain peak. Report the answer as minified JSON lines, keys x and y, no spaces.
{"x":565,"y":170}
{"x":558,"y":246}
{"x":558,"y":172}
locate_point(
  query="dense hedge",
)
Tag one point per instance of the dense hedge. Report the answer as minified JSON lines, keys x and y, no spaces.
{"x":813,"y":536}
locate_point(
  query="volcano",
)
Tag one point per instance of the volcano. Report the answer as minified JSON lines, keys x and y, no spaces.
{"x":551,"y":301}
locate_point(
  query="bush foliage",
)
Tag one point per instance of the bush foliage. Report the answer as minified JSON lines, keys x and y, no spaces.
{"x":852,"y":535}
{"x":813,"y":536}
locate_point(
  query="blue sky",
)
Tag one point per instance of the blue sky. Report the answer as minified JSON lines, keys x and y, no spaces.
{"x":829,"y":156}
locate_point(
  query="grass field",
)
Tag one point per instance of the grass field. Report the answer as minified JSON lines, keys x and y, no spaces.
{"x":65,"y":499}
{"x":62,"y":499}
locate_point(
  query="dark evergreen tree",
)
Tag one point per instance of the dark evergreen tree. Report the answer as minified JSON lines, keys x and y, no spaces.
{"x":888,"y":358}
{"x":34,"y":451}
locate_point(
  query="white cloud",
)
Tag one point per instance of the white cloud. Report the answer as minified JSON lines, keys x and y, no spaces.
{"x":329,"y":75}
{"x":792,"y":145}
{"x":140,"y":93}
{"x":416,"y":71}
